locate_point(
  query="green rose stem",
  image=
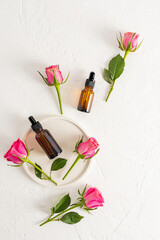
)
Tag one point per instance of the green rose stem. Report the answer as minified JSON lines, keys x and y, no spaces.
{"x":77,"y":159}
{"x":112,"y":84}
{"x":54,"y":218}
{"x":125,"y":55}
{"x":111,"y":89}
{"x":59,"y":97}
{"x":31,"y":163}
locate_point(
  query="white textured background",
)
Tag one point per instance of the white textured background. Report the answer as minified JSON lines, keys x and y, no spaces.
{"x":81,"y":37}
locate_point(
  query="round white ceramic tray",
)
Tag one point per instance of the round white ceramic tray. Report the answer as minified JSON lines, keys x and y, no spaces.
{"x":66,"y":133}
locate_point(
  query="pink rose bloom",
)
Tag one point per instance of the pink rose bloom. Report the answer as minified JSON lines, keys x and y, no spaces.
{"x":93,"y":198}
{"x":127,"y":39}
{"x":85,"y":150}
{"x":53,"y":71}
{"x":19,"y":149}
{"x":88,"y":148}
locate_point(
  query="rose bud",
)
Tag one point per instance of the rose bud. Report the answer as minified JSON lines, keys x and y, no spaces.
{"x":51,"y":72}
{"x":88,"y":148}
{"x":129,"y":42}
{"x":85,"y":150}
{"x":54,"y":78}
{"x":18,"y":154}
{"x":93,"y":198}
{"x":127,"y":38}
{"x":17,"y":150}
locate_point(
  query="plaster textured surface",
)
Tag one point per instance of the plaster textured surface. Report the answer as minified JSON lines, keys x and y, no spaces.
{"x":81,"y":37}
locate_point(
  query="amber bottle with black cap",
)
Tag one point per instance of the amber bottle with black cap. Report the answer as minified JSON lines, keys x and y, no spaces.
{"x":45,"y":139}
{"x":87,"y":94}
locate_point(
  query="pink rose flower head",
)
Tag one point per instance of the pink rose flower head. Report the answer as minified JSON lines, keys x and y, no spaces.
{"x":126,"y":40}
{"x":93,"y":198}
{"x":53,"y":71}
{"x":88,"y":148}
{"x":18,"y":148}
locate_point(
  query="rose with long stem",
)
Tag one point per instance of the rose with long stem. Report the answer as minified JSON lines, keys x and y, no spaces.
{"x":128,"y":43}
{"x":90,"y":200}
{"x":85,"y":150}
{"x":18,"y":154}
{"x":54,"y":78}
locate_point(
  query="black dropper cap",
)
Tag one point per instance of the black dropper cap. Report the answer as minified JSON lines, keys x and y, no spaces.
{"x":90,"y":81}
{"x":36,"y":126}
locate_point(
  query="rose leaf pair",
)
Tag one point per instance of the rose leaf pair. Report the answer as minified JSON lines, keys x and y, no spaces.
{"x":90,"y":200}
{"x":56,"y":165}
{"x":19,"y":153}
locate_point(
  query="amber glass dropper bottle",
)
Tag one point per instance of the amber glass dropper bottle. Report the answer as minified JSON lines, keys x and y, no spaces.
{"x":87,"y":94}
{"x":45,"y":139}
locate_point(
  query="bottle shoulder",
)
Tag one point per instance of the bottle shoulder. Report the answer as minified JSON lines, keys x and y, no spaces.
{"x":88,"y":90}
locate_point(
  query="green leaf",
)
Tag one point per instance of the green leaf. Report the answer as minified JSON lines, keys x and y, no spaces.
{"x":71,"y":218}
{"x":106,"y":76}
{"x":58,"y":164}
{"x":63,"y":204}
{"x":37,"y":172}
{"x":116,"y":67}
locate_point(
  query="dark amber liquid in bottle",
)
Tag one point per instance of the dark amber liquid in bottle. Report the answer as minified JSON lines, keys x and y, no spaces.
{"x":48,"y":143}
{"x":86,"y":99}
